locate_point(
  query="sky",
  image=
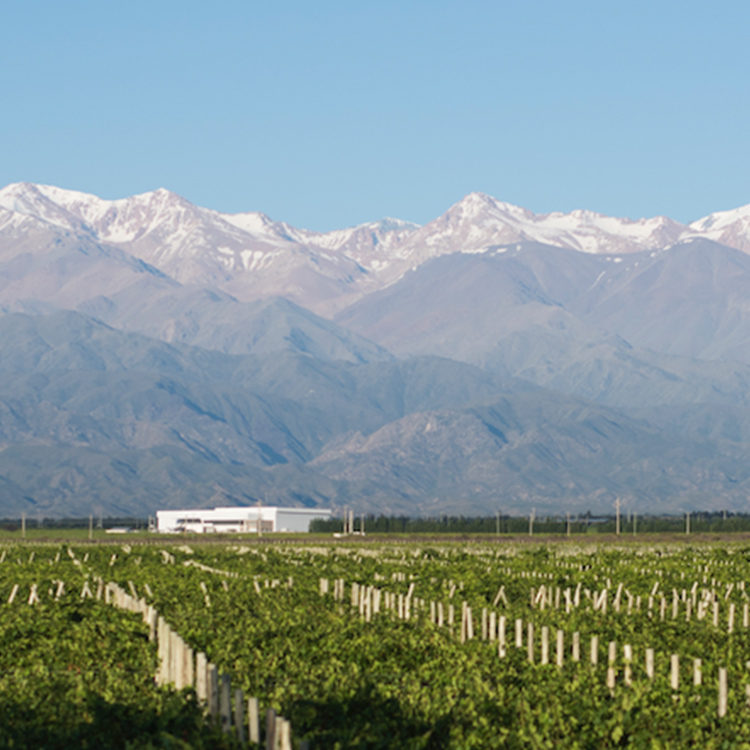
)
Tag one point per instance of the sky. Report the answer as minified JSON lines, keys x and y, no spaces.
{"x":329,"y":114}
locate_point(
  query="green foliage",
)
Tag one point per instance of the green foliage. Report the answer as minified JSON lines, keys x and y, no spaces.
{"x":79,"y":674}
{"x":389,"y":683}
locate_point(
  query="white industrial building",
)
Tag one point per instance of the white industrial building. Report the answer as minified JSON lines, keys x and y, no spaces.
{"x":237,"y":520}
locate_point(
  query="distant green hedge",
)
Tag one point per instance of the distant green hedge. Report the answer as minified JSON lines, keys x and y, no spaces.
{"x":708,"y":522}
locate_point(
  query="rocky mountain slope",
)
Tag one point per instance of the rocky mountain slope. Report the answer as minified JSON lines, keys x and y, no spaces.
{"x":157,"y":354}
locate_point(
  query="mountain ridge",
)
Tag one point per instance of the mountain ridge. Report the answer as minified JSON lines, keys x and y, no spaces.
{"x":251,"y":256}
{"x":150,"y":348}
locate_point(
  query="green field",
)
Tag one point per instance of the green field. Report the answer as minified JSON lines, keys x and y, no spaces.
{"x":385,"y":644}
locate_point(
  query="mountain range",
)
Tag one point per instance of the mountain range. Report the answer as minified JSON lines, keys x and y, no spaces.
{"x":158,"y":354}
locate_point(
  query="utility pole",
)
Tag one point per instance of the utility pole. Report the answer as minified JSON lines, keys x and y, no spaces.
{"x":567,"y":524}
{"x":531,"y":522}
{"x":91,"y":528}
{"x":617,"y":516}
{"x":687,"y":522}
{"x":23,"y":525}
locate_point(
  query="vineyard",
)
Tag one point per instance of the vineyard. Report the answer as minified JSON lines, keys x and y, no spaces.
{"x":375,"y":646}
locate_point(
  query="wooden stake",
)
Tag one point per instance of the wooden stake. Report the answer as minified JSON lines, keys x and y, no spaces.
{"x":253,"y":720}
{"x":628,"y":659}
{"x":650,"y":663}
{"x":674,"y":672}
{"x":33,"y":595}
{"x":239,"y":718}
{"x":545,"y":645}
{"x":611,"y":679}
{"x":225,"y":703}
{"x":560,"y":648}
{"x":284,"y":730}
{"x":530,"y":642}
{"x":612,"y":652}
{"x":576,"y":646}
{"x":722,"y":692}
{"x":594,"y":650}
{"x":188,"y":666}
{"x":201,"y":684}
{"x":213,"y":691}
{"x":270,"y":729}
{"x":697,"y":672}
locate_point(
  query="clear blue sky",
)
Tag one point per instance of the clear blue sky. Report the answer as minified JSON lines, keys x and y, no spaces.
{"x":327,"y":114}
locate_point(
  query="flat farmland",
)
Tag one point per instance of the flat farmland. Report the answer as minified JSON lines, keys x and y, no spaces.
{"x":429,"y":643}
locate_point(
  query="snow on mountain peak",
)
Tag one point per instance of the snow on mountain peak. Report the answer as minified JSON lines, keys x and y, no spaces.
{"x":721,"y":219}
{"x":727,"y":227}
{"x":254,"y":252}
{"x":29,"y":199}
{"x":479,"y":204}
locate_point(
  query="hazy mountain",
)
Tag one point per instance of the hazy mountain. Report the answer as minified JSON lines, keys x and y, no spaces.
{"x":47,"y":270}
{"x":555,"y":361}
{"x":101,"y":402}
{"x":586,"y":325}
{"x":537,"y":450}
{"x":690,"y":300}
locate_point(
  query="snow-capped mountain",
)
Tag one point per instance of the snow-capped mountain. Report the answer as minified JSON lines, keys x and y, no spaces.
{"x":479,"y":221}
{"x":731,"y":228}
{"x":248,"y":254}
{"x":564,"y":357}
{"x":251,"y":256}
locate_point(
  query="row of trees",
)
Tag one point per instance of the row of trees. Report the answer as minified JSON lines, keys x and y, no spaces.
{"x":703,"y":522}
